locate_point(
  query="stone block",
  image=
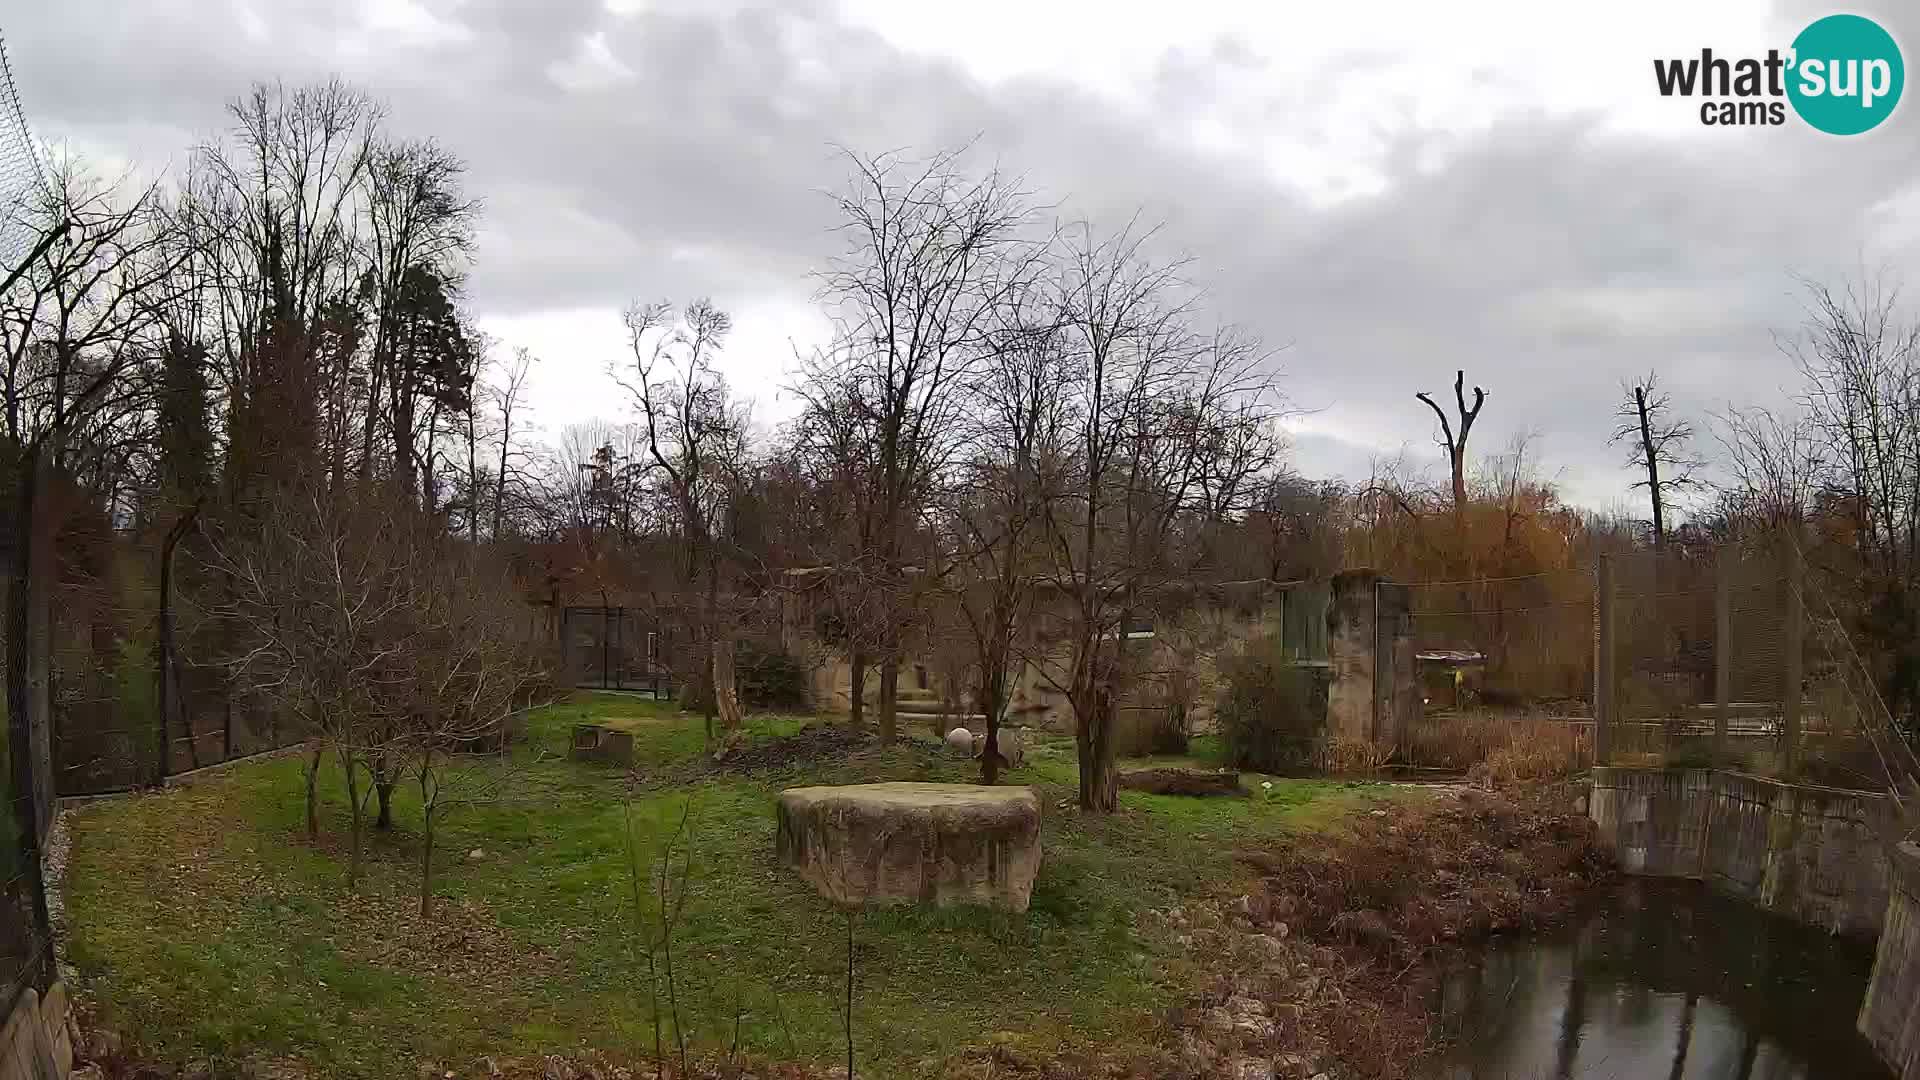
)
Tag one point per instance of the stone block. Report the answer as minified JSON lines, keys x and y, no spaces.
{"x":905,"y":843}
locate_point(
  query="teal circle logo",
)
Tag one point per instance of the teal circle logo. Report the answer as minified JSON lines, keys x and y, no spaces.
{"x":1846,"y":75}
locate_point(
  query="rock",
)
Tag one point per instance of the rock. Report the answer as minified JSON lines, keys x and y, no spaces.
{"x":476,"y":854}
{"x":1270,"y":948}
{"x":1182,"y":782}
{"x":1247,"y":1068}
{"x":1242,"y":1016}
{"x":906,"y":843}
{"x":960,"y":741}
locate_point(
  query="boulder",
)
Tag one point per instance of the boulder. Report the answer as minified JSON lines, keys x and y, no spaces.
{"x":960,"y":740}
{"x":867,"y":845}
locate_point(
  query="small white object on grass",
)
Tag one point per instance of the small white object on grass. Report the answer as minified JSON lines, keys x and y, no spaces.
{"x":960,"y":740}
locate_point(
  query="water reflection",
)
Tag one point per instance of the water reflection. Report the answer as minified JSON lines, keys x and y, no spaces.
{"x":1666,"y":979}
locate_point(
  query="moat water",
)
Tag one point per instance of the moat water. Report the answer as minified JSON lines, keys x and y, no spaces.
{"x":1664,"y":979}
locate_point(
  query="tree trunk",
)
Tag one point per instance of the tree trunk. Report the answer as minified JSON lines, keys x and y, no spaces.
{"x":313,"y":792}
{"x":726,"y":689}
{"x":1099,"y":783}
{"x":889,"y":698}
{"x":991,"y":687}
{"x":1652,"y":454}
{"x":426,"y":862}
{"x":428,"y":797}
{"x":383,"y":785}
{"x":169,"y":679}
{"x":354,"y":807}
{"x":1458,"y":462}
{"x":857,"y":675}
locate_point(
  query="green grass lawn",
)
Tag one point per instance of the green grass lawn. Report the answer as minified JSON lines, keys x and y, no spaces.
{"x":205,"y":924}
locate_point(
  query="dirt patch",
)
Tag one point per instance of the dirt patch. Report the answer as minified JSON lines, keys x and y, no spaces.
{"x":809,"y":746}
{"x":1182,"y":782}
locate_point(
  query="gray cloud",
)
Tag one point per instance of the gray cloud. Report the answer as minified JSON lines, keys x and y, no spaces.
{"x":1548,"y":255}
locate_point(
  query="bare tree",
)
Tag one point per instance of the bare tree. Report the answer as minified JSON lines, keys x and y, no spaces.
{"x":1775,"y":463}
{"x":1167,"y":426}
{"x":472,"y":663}
{"x":1659,"y":445}
{"x":1455,"y":444}
{"x":931,"y":253}
{"x":995,"y":506}
{"x":695,"y":438}
{"x":1859,"y":354}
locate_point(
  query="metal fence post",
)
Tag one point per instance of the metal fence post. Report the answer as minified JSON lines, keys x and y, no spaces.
{"x":1605,"y":702}
{"x":1796,"y":617}
{"x":1722,"y":648}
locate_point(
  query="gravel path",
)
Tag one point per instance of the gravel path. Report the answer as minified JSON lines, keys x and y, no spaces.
{"x":53,"y":871}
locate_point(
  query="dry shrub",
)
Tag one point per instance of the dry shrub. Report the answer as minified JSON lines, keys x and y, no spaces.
{"x":1458,"y":740}
{"x":1496,"y":749}
{"x":1535,"y":750}
{"x":1450,"y":871}
{"x":1341,"y":756}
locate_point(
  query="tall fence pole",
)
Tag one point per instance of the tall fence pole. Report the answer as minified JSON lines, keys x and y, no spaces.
{"x":1723,"y":564}
{"x":1796,"y":617}
{"x":1605,"y":701}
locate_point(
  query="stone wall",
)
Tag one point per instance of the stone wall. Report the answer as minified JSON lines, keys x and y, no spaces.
{"x":37,"y":1041}
{"x":1890,"y":1015}
{"x":1808,"y":853}
{"x":1374,"y":695}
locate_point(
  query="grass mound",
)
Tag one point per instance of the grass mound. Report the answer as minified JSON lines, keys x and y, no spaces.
{"x":207,"y":927}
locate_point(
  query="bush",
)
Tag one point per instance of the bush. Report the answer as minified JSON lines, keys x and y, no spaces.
{"x":772,"y":679}
{"x":1271,"y":714}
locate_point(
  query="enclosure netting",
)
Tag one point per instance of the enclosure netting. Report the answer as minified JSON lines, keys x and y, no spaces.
{"x":26,"y":940}
{"x":21,"y":175}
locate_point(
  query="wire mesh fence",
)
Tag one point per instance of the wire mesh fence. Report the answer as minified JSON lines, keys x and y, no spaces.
{"x":21,"y":174}
{"x":1733,"y":657}
{"x":617,"y":648}
{"x":1522,"y":642}
{"x":1679,"y":656}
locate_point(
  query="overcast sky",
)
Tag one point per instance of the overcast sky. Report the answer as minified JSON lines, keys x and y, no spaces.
{"x":1390,"y":191}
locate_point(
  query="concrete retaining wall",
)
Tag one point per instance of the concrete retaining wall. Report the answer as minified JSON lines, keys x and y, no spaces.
{"x":1890,"y":1015}
{"x":1809,"y":853}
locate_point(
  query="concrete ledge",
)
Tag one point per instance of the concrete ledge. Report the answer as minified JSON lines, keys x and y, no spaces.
{"x":1890,"y":1014}
{"x":1799,"y":850}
